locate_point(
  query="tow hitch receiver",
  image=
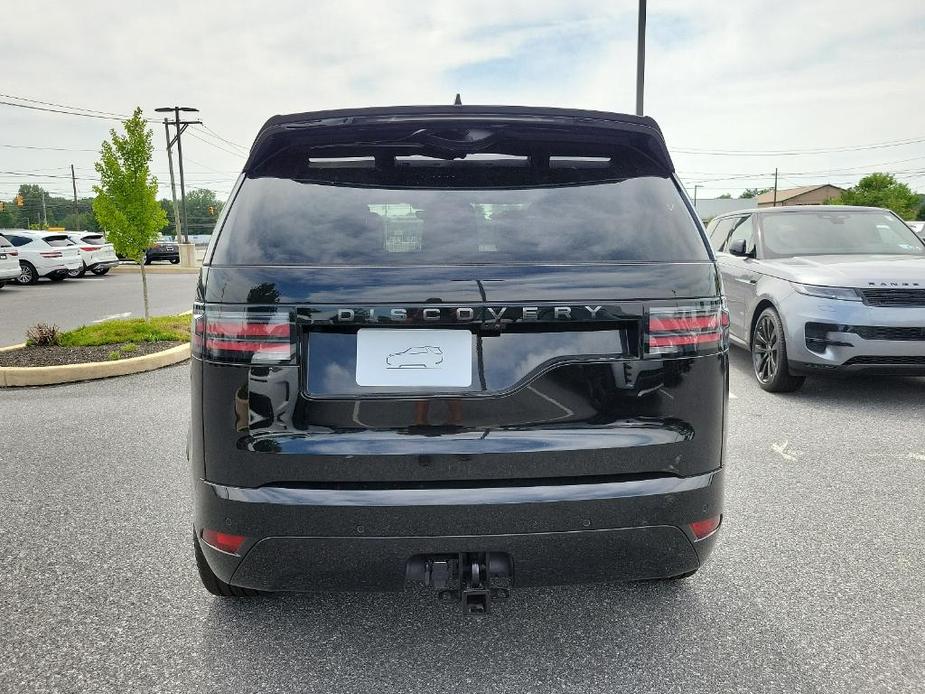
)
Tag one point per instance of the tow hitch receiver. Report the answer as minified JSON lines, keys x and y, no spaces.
{"x":473,"y":578}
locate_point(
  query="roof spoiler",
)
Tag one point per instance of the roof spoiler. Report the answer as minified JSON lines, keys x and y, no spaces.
{"x":455,"y":132}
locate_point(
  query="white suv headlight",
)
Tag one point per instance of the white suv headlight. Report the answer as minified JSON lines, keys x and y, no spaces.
{"x":840,"y":293}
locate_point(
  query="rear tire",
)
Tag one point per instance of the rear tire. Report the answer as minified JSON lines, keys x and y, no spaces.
{"x":58,"y":276}
{"x":769,"y":355}
{"x":27,"y":273}
{"x":174,"y":261}
{"x":2,"y":285}
{"x":100,"y":270}
{"x":213,"y":583}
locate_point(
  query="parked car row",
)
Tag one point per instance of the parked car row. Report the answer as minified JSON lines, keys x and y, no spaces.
{"x":26,"y":255}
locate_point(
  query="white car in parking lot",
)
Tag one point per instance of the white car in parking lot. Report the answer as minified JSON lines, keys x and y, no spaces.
{"x":9,"y":262}
{"x":97,"y":255}
{"x":43,"y":254}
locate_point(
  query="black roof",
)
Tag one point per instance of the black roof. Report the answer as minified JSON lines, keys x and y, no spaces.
{"x":455,"y":131}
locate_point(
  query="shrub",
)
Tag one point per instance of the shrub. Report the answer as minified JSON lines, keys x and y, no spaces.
{"x":43,"y":335}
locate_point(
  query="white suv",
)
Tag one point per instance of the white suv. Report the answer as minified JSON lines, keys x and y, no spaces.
{"x":97,"y":255}
{"x":43,"y":254}
{"x":9,"y":262}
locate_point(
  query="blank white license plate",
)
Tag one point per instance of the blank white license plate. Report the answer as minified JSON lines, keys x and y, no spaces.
{"x":414,"y":358}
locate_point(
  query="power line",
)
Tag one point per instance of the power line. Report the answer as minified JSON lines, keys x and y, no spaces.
{"x":72,"y":108}
{"x":55,"y":110}
{"x":797,"y":152}
{"x":51,"y":149}
{"x":226,"y":141}
{"x":228,"y":151}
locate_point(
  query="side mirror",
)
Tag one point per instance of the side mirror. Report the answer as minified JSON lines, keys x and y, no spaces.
{"x":737,"y":248}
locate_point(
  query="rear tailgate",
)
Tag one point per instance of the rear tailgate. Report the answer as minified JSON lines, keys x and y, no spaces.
{"x":105,"y":254}
{"x":566,"y":392}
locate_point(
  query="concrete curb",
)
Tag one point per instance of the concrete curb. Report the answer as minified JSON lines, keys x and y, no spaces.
{"x":11,"y":376}
{"x":157,"y":269}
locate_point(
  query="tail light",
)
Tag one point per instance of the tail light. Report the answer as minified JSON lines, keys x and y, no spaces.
{"x":257,"y":335}
{"x":89,"y":249}
{"x":224,"y":542}
{"x":11,"y":252}
{"x":688,"y":329}
{"x":50,"y":254}
{"x":704,"y":528}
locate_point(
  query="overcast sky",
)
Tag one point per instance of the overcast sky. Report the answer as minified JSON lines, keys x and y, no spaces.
{"x":721,"y":77}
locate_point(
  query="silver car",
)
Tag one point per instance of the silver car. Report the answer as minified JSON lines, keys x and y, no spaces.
{"x":822,"y":289}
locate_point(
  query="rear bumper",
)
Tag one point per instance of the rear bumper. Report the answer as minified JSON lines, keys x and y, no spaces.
{"x":330,"y":539}
{"x":163,"y":255}
{"x":9,"y":273}
{"x":102,"y":264}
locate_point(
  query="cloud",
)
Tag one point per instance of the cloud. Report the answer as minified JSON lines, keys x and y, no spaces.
{"x":743,"y":75}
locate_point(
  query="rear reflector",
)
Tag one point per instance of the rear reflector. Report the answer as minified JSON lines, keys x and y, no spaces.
{"x":697,"y":328}
{"x":257,"y":335}
{"x":706,"y":527}
{"x":224,"y":542}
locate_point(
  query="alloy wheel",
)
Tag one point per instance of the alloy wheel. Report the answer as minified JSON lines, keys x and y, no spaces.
{"x":766,"y":349}
{"x":25,"y":274}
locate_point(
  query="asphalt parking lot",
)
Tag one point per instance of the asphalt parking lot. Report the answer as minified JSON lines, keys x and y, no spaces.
{"x":75,"y":302}
{"x":816,"y":585}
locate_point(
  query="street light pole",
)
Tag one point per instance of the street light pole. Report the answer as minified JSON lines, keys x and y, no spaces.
{"x":181,"y":126}
{"x":176,"y":122}
{"x":641,"y":57}
{"x":173,"y":187}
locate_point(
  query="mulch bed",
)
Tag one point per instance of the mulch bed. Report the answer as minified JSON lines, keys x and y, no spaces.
{"x":55,"y":356}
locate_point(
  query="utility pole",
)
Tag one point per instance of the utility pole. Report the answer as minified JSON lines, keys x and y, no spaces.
{"x":187,"y":254}
{"x":173,"y":187}
{"x":640,"y":56}
{"x":44,"y":211}
{"x":695,"y":194}
{"x":76,"y":210}
{"x":774,"y":204}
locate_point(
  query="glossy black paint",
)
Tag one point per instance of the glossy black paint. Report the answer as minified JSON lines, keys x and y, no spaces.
{"x":573,"y":452}
{"x":334,"y":540}
{"x":516,"y":284}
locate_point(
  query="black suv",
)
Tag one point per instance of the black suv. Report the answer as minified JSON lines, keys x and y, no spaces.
{"x":464,"y":346}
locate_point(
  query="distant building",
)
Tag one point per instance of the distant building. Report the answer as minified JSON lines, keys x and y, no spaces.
{"x":708,"y":208}
{"x":804,"y":195}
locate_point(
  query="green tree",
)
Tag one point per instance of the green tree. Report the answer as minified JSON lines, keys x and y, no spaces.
{"x":881,"y":190}
{"x":202,"y":208}
{"x":724,"y":196}
{"x":126,"y":199}
{"x":752,"y":193}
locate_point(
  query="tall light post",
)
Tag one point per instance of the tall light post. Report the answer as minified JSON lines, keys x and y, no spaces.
{"x":181,"y":127}
{"x":640,"y":56}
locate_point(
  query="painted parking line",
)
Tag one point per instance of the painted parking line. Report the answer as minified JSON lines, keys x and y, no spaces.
{"x":113,"y":316}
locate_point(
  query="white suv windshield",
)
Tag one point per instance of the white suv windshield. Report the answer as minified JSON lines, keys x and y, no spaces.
{"x":841,"y":231}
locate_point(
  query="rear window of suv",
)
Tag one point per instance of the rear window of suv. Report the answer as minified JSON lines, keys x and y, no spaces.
{"x":284,"y":221}
{"x":58,"y":241}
